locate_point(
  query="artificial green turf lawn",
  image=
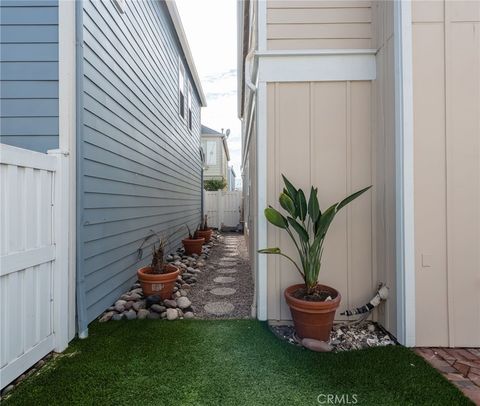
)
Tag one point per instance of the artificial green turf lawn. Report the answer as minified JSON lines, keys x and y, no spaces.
{"x":234,"y":362}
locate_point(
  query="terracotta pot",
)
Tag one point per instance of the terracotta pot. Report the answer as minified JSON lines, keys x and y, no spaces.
{"x":207,"y":234}
{"x":161,"y":284}
{"x":313,"y":319}
{"x":193,"y":245}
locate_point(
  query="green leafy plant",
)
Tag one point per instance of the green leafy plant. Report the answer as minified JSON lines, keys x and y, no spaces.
{"x":212,"y":185}
{"x":310,"y":225}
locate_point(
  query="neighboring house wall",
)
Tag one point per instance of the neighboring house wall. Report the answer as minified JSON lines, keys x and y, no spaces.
{"x":139,"y":164}
{"x":215,"y":168}
{"x":446,"y":70}
{"x":317,"y":24}
{"x":29,"y":74}
{"x":315,"y":128}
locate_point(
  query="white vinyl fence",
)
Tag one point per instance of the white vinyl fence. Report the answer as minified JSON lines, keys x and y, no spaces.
{"x":223,"y":208}
{"x":33,"y":258}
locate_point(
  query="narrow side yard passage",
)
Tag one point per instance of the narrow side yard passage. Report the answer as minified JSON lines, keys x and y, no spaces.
{"x":225,"y":362}
{"x":225,"y":289}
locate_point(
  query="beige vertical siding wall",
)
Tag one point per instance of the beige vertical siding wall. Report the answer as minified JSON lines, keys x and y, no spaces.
{"x":383,"y":118}
{"x":446,"y":68}
{"x":320,"y":134}
{"x":317,"y":24}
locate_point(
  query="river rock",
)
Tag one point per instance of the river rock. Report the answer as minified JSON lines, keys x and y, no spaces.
{"x":152,"y":299}
{"x":158,"y":308}
{"x":183,"y":302}
{"x":131,"y":315}
{"x":142,"y":314}
{"x":316,"y":345}
{"x":153,"y":316}
{"x":189,"y":315}
{"x":172,"y":314}
{"x":120,"y":305}
{"x":106,"y":317}
{"x":170,"y":303}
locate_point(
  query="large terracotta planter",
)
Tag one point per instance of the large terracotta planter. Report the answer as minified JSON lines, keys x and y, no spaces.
{"x":313,"y":319}
{"x":207,"y":234}
{"x":161,"y":284}
{"x":193,"y":245}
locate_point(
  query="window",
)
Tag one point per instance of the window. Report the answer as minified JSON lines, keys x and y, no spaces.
{"x":181,"y":89}
{"x":211,"y":153}
{"x":190,"y":118}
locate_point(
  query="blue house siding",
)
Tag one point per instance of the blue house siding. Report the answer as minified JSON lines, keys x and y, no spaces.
{"x":29,"y":74}
{"x":140,"y":164}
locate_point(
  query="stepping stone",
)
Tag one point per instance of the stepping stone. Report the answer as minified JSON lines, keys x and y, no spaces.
{"x":224,"y":279}
{"x":219,"y":308}
{"x":227,"y":270}
{"x":227,"y":264}
{"x":223,"y":291}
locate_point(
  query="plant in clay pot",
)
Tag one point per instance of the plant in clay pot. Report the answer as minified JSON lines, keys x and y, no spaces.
{"x":204,"y":231}
{"x":192,"y":244}
{"x":158,"y":278}
{"x":313,"y":305}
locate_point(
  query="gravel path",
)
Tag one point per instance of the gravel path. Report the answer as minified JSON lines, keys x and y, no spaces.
{"x":225,"y":290}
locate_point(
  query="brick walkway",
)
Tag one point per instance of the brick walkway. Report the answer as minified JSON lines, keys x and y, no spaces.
{"x":461,"y":366}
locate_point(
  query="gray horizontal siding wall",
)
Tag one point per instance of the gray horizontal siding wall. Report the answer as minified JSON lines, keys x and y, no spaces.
{"x":29,"y":74}
{"x":140,"y":163}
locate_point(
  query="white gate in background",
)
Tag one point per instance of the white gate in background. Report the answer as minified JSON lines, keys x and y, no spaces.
{"x":33,"y":258}
{"x":223,"y":208}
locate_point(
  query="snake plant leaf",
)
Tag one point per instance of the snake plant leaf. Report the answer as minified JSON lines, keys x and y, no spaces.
{"x":291,"y":191}
{"x":301,"y":204}
{"x":275,"y":250}
{"x":313,"y":206}
{"x":302,"y":233}
{"x":287,"y":203}
{"x":274,"y":217}
{"x":353,"y":196}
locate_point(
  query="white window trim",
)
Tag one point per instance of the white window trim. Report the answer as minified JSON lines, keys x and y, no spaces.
{"x":181,"y":89}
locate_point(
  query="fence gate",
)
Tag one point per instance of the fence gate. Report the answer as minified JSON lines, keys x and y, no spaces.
{"x":223,"y":208}
{"x":32,"y":268}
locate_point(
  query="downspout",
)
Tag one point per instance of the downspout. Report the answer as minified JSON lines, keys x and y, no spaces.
{"x":82,"y":322}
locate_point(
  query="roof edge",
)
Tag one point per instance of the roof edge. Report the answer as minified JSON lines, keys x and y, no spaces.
{"x":177,"y":23}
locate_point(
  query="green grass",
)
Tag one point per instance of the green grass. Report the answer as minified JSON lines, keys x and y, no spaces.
{"x":234,"y":362}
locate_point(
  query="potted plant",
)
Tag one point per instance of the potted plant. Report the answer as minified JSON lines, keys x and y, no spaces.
{"x":313,"y":305}
{"x":192,"y":244}
{"x":204,"y":231}
{"x":158,"y":278}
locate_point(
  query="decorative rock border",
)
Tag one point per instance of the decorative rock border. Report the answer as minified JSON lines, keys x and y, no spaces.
{"x":344,"y":337}
{"x":133,"y":305}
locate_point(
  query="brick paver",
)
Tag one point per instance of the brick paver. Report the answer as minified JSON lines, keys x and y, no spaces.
{"x":461,"y":366}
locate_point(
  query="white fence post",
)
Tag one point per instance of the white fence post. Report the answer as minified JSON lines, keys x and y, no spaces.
{"x":220,"y":207}
{"x":61,"y":237}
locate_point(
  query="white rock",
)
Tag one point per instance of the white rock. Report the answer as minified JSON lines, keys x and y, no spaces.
{"x":316,"y":345}
{"x":172,"y":314}
{"x":142,"y":314}
{"x":189,"y":315}
{"x":183,"y":302}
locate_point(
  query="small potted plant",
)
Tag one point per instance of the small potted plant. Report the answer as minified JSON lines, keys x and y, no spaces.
{"x":192,"y":244}
{"x":158,"y":278}
{"x":312,"y":305}
{"x":204,"y":231}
